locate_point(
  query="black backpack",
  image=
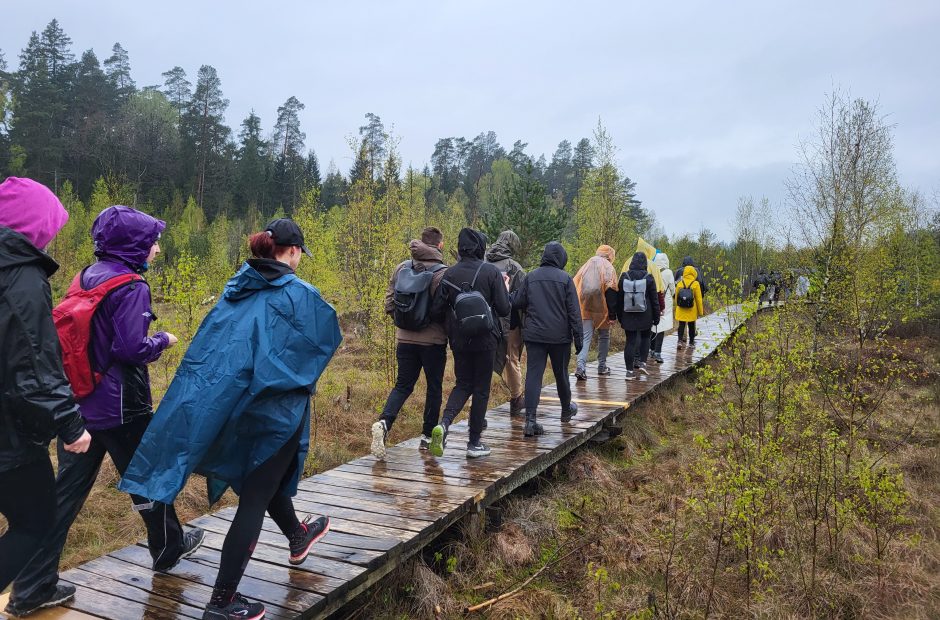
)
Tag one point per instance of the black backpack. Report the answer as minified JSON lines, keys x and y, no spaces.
{"x":471,"y":310}
{"x":685,"y":297}
{"x":412,"y":297}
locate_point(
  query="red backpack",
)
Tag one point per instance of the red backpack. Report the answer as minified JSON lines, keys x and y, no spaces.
{"x":72,"y":318}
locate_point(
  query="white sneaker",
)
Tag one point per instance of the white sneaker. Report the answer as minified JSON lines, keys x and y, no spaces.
{"x":378,"y":439}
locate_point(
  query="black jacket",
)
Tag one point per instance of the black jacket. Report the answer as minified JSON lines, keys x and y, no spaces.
{"x":550,"y":301}
{"x":470,"y":247}
{"x":638,"y":321}
{"x":36,"y":401}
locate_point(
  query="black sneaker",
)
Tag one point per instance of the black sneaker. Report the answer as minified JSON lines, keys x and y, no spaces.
{"x":533,"y":428}
{"x":59,"y":595}
{"x":478,"y":450}
{"x":641,"y":368}
{"x":425,"y":443}
{"x":238,"y":609}
{"x":603,"y":372}
{"x":379,"y":433}
{"x":570,"y":413}
{"x":438,"y":440}
{"x":580,"y":374}
{"x":658,"y":357}
{"x":192,"y":540}
{"x":306,"y":535}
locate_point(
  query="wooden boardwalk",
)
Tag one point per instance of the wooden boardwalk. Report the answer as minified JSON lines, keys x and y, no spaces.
{"x":381,"y":512}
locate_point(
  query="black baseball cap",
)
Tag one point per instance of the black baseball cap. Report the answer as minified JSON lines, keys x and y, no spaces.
{"x":285,"y":231}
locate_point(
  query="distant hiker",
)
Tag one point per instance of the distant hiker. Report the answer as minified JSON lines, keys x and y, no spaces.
{"x":421,"y":343}
{"x":689,"y":306}
{"x":596,"y":282}
{"x":509,"y":351}
{"x":638,"y":311}
{"x":777,"y":281}
{"x":802,"y":285}
{"x":665,"y":322}
{"x":553,"y":321}
{"x":688,"y":262}
{"x":238,"y":409}
{"x":473,"y":297}
{"x":103,"y":324}
{"x":37,"y":403}
{"x":764,"y":286}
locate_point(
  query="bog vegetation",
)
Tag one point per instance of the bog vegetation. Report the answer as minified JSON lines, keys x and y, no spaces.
{"x":792,"y":479}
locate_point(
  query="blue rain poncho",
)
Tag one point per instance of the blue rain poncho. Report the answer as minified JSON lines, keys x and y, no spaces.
{"x":241,"y":391}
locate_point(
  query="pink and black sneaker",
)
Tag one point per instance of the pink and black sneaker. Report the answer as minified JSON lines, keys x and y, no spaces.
{"x":306,"y":535}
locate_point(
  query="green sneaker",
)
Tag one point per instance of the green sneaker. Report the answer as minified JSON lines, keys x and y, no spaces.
{"x":438,"y":440}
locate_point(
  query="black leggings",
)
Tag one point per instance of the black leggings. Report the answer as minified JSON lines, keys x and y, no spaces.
{"x":682,"y":325}
{"x":259,"y":493}
{"x":27,"y":500}
{"x":637,"y":347}
{"x":657,"y":345}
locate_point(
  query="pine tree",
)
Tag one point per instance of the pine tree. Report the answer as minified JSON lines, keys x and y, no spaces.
{"x":288,"y":144}
{"x":91,"y":119}
{"x":374,"y":137}
{"x":252,"y":166}
{"x":205,"y":134}
{"x":176,"y":89}
{"x":333,"y":191}
{"x":118,"y":69}
{"x":312,"y":171}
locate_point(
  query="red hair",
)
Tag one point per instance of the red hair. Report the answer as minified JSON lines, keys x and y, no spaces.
{"x":262,"y":246}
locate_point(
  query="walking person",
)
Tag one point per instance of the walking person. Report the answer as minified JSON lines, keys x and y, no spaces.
{"x":37,"y":402}
{"x":103,"y":324}
{"x":238,"y":409}
{"x":509,"y":350}
{"x":420,"y":341}
{"x":689,"y":304}
{"x":650,"y":252}
{"x":596,"y":284}
{"x":665,"y":322}
{"x":473,"y":295}
{"x":549,"y":298}
{"x":638,"y":311}
{"x":688,"y":262}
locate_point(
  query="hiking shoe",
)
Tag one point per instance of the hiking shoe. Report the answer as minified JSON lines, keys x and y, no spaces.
{"x":192,"y":540}
{"x":478,"y":450}
{"x":517,"y":405}
{"x":630,"y":375}
{"x":425,"y":443}
{"x":59,"y":595}
{"x":658,"y":357}
{"x":603,"y":371}
{"x":691,"y":344}
{"x":641,"y":368}
{"x":570,"y":412}
{"x":379,"y":433}
{"x":680,"y":344}
{"x":306,"y":535}
{"x":580,"y":374}
{"x":438,"y":440}
{"x":533,"y":428}
{"x":238,"y":609}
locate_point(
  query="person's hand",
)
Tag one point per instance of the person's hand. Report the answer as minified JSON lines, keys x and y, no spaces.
{"x":173,"y":339}
{"x":80,"y":445}
{"x":506,"y":280}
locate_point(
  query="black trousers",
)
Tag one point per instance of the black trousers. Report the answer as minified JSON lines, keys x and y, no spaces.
{"x":260,"y":493}
{"x":474,"y":372}
{"x":657,"y":344}
{"x":638,"y":347}
{"x":77,"y":475}
{"x":682,"y":325}
{"x":538,"y":354}
{"x":412,"y":359}
{"x":27,"y":500}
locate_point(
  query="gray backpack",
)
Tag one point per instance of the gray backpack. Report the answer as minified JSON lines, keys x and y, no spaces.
{"x":634,"y":295}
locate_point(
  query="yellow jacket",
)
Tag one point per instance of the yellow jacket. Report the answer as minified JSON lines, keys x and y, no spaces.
{"x":690,"y":281}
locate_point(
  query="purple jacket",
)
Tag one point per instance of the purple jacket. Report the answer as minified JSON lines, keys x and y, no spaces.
{"x":121,"y":347}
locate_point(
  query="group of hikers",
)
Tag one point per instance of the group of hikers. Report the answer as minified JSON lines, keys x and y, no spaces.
{"x":238,"y":408}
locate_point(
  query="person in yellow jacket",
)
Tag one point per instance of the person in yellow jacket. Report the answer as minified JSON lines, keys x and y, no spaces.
{"x":688,"y":303}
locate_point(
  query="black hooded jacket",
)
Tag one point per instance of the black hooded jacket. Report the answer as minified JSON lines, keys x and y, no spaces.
{"x":639,"y":321}
{"x":36,"y":401}
{"x":550,"y":301}
{"x":471,"y":245}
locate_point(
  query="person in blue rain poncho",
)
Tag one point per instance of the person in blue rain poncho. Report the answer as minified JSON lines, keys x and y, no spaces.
{"x":238,"y":409}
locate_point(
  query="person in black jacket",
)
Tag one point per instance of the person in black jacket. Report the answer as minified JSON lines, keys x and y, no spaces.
{"x":638,"y":325}
{"x":688,"y":262}
{"x":473,"y":358}
{"x":553,"y":320}
{"x":36,"y":403}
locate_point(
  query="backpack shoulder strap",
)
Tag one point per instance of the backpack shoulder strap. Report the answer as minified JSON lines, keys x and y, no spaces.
{"x":474,"y":281}
{"x":437,"y":267}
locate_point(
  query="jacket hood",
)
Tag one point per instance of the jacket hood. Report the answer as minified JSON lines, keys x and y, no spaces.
{"x":605,"y":251}
{"x":424,"y":252}
{"x":125,"y":234}
{"x":639,"y":262}
{"x":554,"y":255}
{"x":270,"y":268}
{"x":662,"y":261}
{"x":687,"y":262}
{"x":471,"y":243}
{"x":689,"y":275}
{"x":508,"y":245}
{"x":16,"y":249}
{"x":32,"y":210}
{"x":248,"y":281}
{"x":644,"y":246}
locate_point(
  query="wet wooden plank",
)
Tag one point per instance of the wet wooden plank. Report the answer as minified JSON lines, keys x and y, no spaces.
{"x":50,"y":613}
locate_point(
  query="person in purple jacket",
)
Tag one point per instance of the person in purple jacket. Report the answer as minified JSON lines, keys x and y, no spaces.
{"x":119,"y":409}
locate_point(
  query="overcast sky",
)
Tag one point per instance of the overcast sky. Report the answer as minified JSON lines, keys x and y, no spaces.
{"x":705,"y":102}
